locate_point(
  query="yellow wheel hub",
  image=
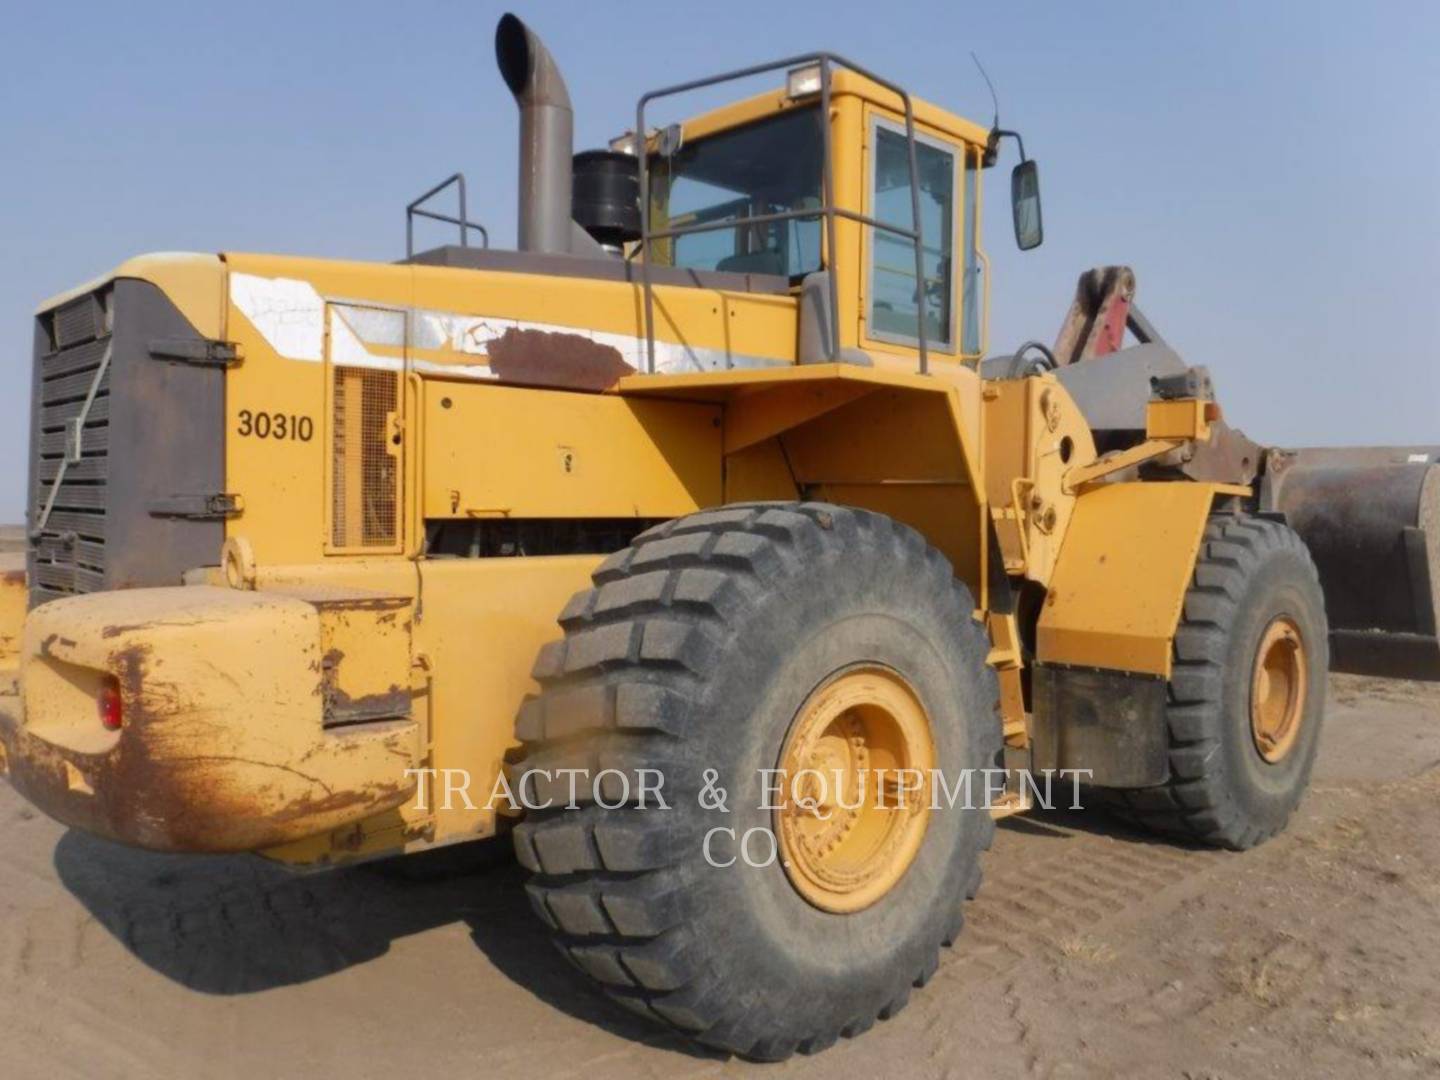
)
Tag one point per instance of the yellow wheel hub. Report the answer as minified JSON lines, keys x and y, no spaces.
{"x":855,"y":783}
{"x":1277,"y":690}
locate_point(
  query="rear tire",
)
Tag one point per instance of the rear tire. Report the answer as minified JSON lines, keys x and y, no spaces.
{"x":1254,"y":583}
{"x":695,"y":650}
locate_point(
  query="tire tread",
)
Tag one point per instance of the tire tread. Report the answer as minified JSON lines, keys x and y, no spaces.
{"x":617,"y":688}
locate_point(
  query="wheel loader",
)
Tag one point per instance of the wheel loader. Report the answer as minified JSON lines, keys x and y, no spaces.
{"x":695,"y":547}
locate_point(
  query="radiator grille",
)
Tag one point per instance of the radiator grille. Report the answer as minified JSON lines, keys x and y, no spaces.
{"x":79,"y":321}
{"x":68,"y":556}
{"x":364,"y":474}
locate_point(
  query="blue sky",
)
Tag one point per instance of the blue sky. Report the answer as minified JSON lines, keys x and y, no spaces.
{"x":1271,"y":172}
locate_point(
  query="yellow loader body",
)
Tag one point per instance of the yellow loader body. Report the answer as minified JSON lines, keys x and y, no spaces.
{"x":380,"y":485}
{"x":711,"y":480}
{"x":240,"y":689}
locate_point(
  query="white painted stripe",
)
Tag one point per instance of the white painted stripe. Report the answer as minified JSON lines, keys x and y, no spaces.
{"x":290,"y":315}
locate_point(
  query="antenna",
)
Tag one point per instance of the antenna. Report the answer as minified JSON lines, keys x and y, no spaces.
{"x":992,"y":147}
{"x":994,"y":97}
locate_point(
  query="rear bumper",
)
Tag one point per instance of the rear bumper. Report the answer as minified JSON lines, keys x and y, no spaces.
{"x":224,"y":746}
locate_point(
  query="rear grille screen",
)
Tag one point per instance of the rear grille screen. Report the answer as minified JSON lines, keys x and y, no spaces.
{"x":70,"y":446}
{"x":365,"y":475}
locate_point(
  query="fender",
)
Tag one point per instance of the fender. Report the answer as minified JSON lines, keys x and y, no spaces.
{"x":1106,"y":634}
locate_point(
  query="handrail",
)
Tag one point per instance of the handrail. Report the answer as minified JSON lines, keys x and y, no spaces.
{"x":828,"y":210}
{"x":412,"y":211}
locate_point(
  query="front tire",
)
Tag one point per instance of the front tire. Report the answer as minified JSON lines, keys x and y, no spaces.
{"x":1247,"y":690}
{"x":716,"y":642}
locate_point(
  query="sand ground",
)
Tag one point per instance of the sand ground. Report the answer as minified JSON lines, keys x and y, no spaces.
{"x":1092,"y":952}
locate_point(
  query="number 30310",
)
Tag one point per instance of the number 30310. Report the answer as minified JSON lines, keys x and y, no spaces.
{"x":268,"y":425}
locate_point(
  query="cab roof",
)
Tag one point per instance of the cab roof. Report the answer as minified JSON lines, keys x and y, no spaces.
{"x":843,"y":83}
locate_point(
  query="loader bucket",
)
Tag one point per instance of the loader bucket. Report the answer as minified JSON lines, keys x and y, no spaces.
{"x":1371,"y":519}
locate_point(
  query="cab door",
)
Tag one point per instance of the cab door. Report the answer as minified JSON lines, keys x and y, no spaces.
{"x":890,"y":315}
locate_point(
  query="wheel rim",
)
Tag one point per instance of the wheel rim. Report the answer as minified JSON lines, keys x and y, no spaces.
{"x":1277,"y":691}
{"x":849,"y":821}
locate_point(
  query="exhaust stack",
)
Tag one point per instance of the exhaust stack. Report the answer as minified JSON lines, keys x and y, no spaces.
{"x":546,"y":137}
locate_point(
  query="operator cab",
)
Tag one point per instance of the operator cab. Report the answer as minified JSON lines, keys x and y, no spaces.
{"x":871,"y":219}
{"x":744,"y":189}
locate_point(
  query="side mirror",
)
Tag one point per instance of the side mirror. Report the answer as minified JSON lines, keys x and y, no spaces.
{"x":1025,"y":205}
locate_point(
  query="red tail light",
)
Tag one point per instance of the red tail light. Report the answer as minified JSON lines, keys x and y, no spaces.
{"x":112,"y":713}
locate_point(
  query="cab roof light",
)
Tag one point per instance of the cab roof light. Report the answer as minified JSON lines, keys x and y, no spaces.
{"x":802,"y":81}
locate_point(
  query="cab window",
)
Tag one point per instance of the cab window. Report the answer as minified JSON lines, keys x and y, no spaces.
{"x":767,"y":167}
{"x":894,"y":292}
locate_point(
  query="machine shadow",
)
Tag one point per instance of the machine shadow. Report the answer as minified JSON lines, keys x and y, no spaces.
{"x":1061,"y":823}
{"x":239,"y":925}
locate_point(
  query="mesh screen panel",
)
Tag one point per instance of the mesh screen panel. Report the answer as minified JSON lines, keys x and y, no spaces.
{"x":365,"y":474}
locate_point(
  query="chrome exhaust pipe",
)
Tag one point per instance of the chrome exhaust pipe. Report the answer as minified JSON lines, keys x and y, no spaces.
{"x":547,"y":125}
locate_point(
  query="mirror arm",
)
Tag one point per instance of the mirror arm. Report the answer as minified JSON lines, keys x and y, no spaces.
{"x":992,"y":145}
